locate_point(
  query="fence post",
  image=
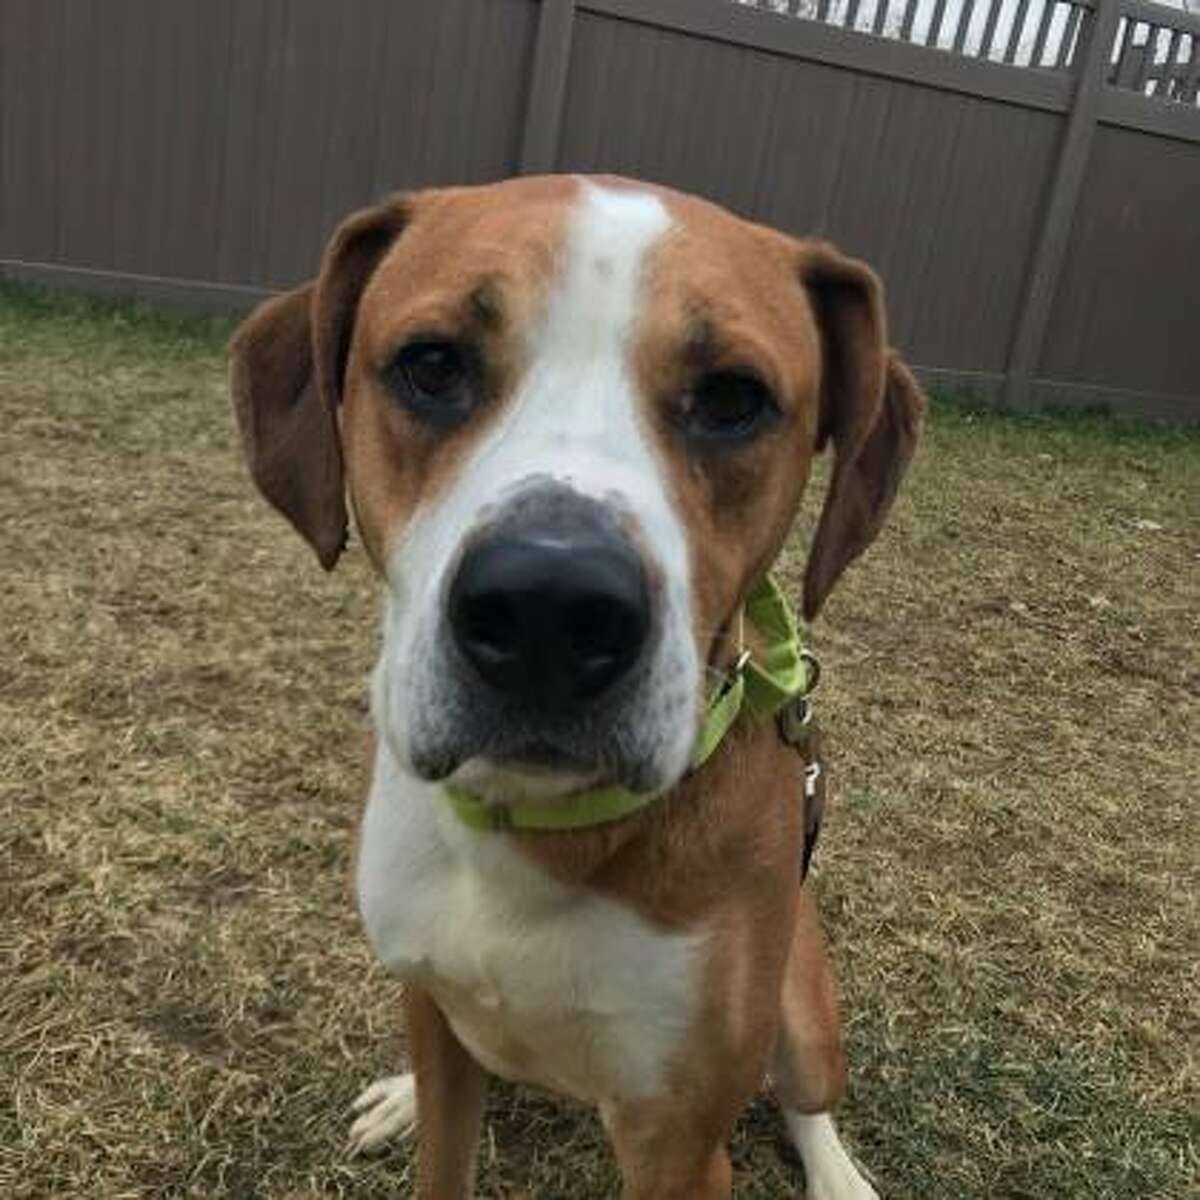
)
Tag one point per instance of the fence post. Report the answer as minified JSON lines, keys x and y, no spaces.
{"x":1041,"y":282}
{"x":547,"y":86}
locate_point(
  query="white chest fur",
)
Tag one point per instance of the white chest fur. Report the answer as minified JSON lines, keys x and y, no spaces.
{"x":540,"y":980}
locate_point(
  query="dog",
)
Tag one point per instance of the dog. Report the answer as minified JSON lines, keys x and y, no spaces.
{"x":573,"y":418}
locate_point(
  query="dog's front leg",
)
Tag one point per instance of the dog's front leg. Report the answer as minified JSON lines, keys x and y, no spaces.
{"x":667,"y":1155}
{"x":809,"y":1068}
{"x":450,"y":1094}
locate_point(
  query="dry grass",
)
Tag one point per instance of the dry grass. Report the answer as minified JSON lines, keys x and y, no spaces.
{"x":1009,"y":873}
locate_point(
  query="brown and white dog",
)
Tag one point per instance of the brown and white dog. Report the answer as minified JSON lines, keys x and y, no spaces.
{"x":574,"y":417}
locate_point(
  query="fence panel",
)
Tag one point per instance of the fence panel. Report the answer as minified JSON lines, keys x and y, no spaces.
{"x":940,"y":191}
{"x":218,"y":141}
{"x":1028,"y":190}
{"x":1125,"y":313}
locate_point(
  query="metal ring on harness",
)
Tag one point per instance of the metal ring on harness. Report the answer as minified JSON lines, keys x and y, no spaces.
{"x":813,"y":675}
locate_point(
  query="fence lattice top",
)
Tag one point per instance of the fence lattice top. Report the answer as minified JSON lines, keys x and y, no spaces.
{"x":1156,"y":51}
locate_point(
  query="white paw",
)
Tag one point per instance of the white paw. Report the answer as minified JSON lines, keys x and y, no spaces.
{"x":387,"y":1109}
{"x":831,"y":1172}
{"x":849,"y":1185}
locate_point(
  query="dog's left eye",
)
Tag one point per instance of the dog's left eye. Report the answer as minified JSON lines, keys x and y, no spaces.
{"x":435,"y":380}
{"x":433,"y":368}
{"x":727,"y":406}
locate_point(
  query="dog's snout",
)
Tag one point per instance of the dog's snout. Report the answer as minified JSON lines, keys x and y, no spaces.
{"x":550,"y":617}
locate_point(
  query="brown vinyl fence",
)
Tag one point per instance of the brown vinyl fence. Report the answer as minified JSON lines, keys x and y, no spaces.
{"x":1024,"y":173}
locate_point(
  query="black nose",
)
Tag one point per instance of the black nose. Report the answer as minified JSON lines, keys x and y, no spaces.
{"x":552,"y":617}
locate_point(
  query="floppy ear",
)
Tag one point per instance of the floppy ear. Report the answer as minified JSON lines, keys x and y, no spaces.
{"x":871,"y":407}
{"x":289,"y":437}
{"x":288,"y":361}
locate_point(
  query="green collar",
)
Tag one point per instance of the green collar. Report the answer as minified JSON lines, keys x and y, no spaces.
{"x":760,"y":685}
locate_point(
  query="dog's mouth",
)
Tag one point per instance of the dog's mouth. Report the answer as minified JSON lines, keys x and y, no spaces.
{"x":533,"y":771}
{"x":467,"y":735}
{"x":541,"y":757}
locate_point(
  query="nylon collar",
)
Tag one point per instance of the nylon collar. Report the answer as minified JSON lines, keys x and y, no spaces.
{"x":761,"y":685}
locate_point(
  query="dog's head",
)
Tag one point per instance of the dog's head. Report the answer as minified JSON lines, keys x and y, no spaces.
{"x":574,"y":419}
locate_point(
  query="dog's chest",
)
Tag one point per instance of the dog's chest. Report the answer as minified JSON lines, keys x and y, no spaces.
{"x":541,"y":981}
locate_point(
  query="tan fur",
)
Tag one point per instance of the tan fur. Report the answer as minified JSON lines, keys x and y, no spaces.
{"x":808,"y":1066}
{"x":288,"y":432}
{"x":722,"y":851}
{"x":450,"y":1094}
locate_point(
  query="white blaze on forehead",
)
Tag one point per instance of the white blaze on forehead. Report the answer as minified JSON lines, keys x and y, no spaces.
{"x":574,"y":416}
{"x":593,"y":308}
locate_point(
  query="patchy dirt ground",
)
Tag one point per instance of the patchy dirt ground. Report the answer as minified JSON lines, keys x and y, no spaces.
{"x":1009,"y":873}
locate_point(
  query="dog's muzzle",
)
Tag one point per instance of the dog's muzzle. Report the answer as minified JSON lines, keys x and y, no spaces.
{"x":549,"y":649}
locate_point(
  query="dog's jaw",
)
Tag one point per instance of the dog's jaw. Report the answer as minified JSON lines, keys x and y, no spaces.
{"x":573,"y":421}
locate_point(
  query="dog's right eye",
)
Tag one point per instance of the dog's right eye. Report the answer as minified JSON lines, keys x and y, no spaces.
{"x":726,"y":407}
{"x":436,"y":380}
